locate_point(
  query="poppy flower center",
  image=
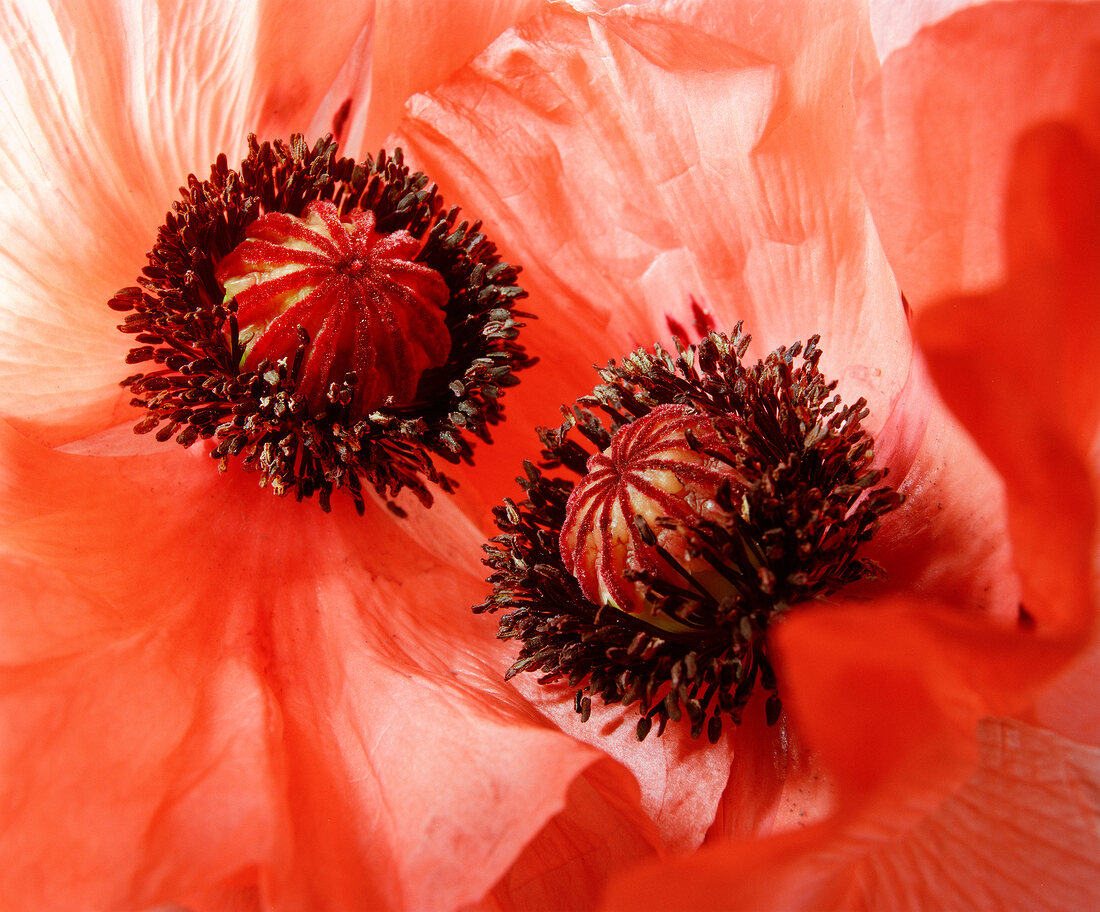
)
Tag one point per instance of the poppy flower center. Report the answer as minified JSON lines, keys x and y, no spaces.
{"x":665,"y":466}
{"x":328,"y":324}
{"x":366,"y":307}
{"x":721,"y":496}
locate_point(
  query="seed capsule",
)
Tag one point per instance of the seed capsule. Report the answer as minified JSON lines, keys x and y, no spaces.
{"x":327,"y":323}
{"x":665,"y":466}
{"x":366,"y":306}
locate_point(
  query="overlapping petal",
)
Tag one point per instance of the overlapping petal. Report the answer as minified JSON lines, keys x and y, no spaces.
{"x":271,"y":707}
{"x":337,"y":736}
{"x":891,"y":693}
{"x":298,"y":739}
{"x":939,"y":126}
{"x":1018,"y":834}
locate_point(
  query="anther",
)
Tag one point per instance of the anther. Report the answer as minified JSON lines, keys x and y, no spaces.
{"x":719,"y":498}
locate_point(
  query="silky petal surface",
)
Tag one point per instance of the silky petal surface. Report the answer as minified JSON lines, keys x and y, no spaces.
{"x":1066,"y":705}
{"x":302,"y":58}
{"x":385,"y":51}
{"x":895,"y":24}
{"x":416,"y":46}
{"x":949,"y":540}
{"x":101,"y":121}
{"x":911,"y":678}
{"x":938,"y":126}
{"x":279,"y":705}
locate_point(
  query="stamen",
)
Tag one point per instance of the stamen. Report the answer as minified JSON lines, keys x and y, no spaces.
{"x":719,"y":498}
{"x":327,"y":323}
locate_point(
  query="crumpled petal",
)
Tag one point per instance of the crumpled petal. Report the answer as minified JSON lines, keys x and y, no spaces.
{"x":413,"y":48}
{"x":679,"y":155}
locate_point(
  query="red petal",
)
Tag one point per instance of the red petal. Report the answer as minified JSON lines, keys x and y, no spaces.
{"x":568,"y":863}
{"x":895,"y":24}
{"x":1023,"y":390}
{"x":776,"y":784}
{"x":1019,"y":833}
{"x":937,"y":129}
{"x":254,"y":694}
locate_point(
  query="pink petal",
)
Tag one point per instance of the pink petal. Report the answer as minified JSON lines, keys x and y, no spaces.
{"x":895,"y":24}
{"x":414,"y":47}
{"x":1064,"y":705}
{"x":359,"y":62}
{"x":567,"y":864}
{"x":775,"y":784}
{"x":303,"y":58}
{"x":1020,"y":833}
{"x":681,"y":778}
{"x":121,"y":754}
{"x":106,"y":109}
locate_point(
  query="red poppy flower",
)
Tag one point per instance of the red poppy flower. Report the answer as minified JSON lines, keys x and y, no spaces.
{"x":749,"y":202}
{"x":977,"y":148}
{"x":275,"y":706}
{"x":211,"y":696}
